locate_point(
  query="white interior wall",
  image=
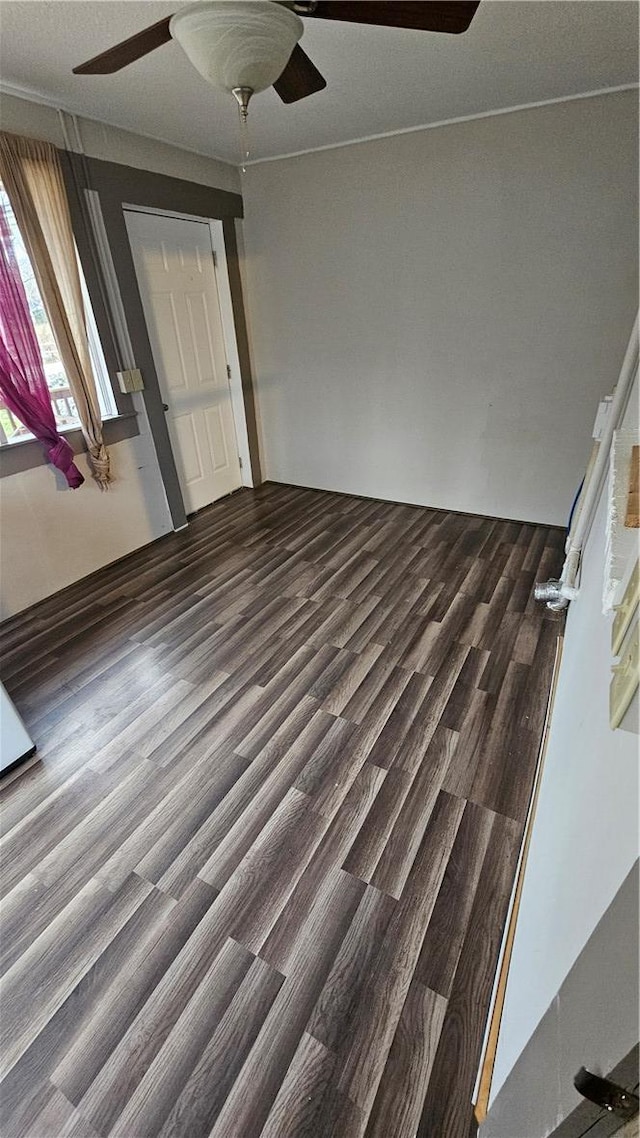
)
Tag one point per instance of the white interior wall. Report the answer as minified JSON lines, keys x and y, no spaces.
{"x":52,"y":536}
{"x":435,"y":314}
{"x":585,"y":836}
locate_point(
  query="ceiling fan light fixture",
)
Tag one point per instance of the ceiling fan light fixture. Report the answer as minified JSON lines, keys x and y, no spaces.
{"x":237,"y":44}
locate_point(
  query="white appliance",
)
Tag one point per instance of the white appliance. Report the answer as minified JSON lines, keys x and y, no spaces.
{"x":15,"y":741}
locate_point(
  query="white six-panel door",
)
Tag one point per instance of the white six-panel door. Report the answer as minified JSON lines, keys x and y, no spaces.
{"x":177,"y":281}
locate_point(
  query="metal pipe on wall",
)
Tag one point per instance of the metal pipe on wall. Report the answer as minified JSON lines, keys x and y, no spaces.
{"x":557,"y":594}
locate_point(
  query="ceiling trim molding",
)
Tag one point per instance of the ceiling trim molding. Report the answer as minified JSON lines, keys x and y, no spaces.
{"x":447,"y":122}
{"x":33,"y":96}
{"x":29,"y":94}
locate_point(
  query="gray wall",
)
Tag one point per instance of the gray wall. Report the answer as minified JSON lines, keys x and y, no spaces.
{"x":592,"y":1023}
{"x":435,"y":315}
{"x":100,"y":140}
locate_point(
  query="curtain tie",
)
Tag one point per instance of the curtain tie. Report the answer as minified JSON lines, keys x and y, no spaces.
{"x":61,"y":455}
{"x":100,"y":466}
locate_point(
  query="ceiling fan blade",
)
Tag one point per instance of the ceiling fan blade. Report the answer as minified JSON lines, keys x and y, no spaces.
{"x":128,"y":51}
{"x":452,"y":16}
{"x":299,"y":78}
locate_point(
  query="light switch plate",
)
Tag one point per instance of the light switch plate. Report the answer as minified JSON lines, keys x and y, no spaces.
{"x":130,"y":380}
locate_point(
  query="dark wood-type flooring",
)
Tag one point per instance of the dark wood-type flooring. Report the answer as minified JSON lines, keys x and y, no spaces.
{"x":257,"y":882}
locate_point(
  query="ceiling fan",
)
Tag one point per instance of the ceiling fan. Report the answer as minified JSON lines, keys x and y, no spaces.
{"x":245,"y":46}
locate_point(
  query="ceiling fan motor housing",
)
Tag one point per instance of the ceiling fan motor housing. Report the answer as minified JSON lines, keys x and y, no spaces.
{"x":237,"y":43}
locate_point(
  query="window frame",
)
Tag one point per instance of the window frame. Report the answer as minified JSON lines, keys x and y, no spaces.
{"x":27,"y":453}
{"x":105,"y":388}
{"x":99,"y":370}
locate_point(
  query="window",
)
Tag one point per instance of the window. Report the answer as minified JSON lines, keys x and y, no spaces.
{"x":64,"y":407}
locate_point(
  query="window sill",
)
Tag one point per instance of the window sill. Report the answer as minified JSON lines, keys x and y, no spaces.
{"x":27,"y":453}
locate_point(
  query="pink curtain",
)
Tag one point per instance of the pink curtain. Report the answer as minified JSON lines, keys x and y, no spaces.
{"x":23,"y":384}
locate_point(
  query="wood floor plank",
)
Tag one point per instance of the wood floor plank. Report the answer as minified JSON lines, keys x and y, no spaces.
{"x":390,"y":977}
{"x":88,"y":1000}
{"x":160,"y":1048}
{"x":255,"y":882}
{"x":88,"y":845}
{"x":163,"y":832}
{"x":54,"y":1117}
{"x":413,"y":748}
{"x":403,"y":843}
{"x":448,"y":926}
{"x":188,"y":1057}
{"x":196,"y":1107}
{"x":379,"y":712}
{"x":323,"y":765}
{"x":207,"y":837}
{"x":323,"y":871}
{"x":495,"y":785}
{"x":446,"y":1109}
{"x":58,"y":959}
{"x":49,"y":823}
{"x":78,"y":1127}
{"x":400,"y":720}
{"x":254,"y":1092}
{"x":248,"y":825}
{"x":398,"y":1104}
{"x":18,"y":1121}
{"x":125,"y":999}
{"x":366,"y":851}
{"x":475,"y":727}
{"x":464,"y":689}
{"x":336,"y":1008}
{"x":300,"y":1099}
{"x":27,"y":911}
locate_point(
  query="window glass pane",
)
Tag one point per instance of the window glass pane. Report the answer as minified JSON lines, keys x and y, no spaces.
{"x":64,"y":407}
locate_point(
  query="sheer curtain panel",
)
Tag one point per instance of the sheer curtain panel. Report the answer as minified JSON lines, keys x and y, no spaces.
{"x":32,"y":177}
{"x":23,"y":383}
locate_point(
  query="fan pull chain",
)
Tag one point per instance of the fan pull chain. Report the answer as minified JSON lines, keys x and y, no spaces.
{"x":245,"y":141}
{"x":242,"y":96}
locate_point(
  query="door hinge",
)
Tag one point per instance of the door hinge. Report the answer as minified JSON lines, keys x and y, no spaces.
{"x":228,"y":372}
{"x":611,"y":1097}
{"x":240,"y":461}
{"x":215,"y":258}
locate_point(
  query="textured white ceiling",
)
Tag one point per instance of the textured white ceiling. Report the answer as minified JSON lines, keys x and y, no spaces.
{"x":379,"y":79}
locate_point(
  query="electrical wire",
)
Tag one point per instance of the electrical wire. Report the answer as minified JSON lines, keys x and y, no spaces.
{"x":573,"y":507}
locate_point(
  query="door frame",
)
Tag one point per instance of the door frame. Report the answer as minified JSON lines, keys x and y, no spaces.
{"x":218,"y":245}
{"x":591,"y":1121}
{"x":97,"y":189}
